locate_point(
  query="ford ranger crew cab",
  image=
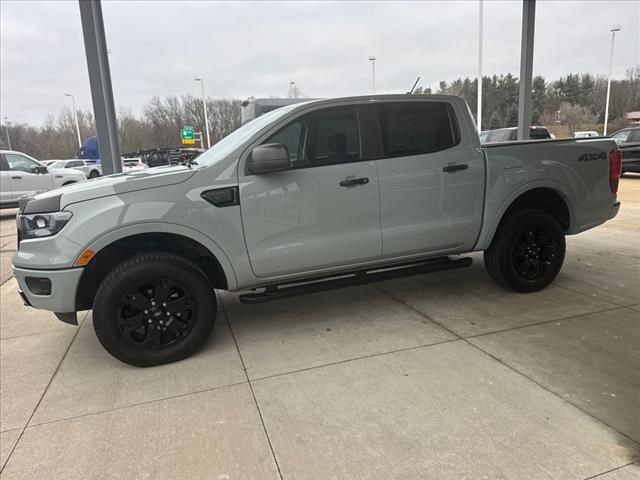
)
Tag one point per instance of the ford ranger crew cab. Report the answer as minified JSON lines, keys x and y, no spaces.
{"x":308,"y":197}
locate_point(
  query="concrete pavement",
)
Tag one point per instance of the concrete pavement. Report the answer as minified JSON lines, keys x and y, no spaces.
{"x":441,"y":376}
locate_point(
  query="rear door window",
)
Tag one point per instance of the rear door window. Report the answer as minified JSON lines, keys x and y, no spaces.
{"x":415,"y":128}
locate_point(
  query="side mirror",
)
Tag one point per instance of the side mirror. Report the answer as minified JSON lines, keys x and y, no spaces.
{"x":273,"y":157}
{"x":40,"y":170}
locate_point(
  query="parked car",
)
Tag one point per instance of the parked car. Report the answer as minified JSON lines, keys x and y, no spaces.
{"x":307,"y":197}
{"x":132,"y":164}
{"x":21,"y":175}
{"x":46,"y":163}
{"x":586,"y":134}
{"x":511,"y":134}
{"x":628,"y":139}
{"x":90,"y":169}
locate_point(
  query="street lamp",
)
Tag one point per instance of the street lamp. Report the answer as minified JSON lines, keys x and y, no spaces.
{"x":75,"y":116}
{"x":614,"y":29}
{"x":372,"y":59}
{"x":6,"y":127}
{"x":206,"y":116}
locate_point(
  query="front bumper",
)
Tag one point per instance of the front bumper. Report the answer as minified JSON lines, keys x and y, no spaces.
{"x":64,"y":285}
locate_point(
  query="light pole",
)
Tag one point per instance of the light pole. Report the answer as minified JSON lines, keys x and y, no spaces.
{"x":479,"y":108}
{"x":75,"y":117}
{"x":206,"y":116}
{"x":614,"y":29}
{"x":372,"y":59}
{"x":6,"y":127}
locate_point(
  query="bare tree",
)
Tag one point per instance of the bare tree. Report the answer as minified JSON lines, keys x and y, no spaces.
{"x":575,"y":116}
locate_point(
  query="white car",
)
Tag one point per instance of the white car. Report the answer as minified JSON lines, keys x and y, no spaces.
{"x":586,"y":134}
{"x":21,"y":175}
{"x":90,"y":170}
{"x":133,"y":164}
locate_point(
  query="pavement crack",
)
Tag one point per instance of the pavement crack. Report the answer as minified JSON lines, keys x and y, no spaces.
{"x":609,"y":471}
{"x":44,"y":392}
{"x":255,"y":400}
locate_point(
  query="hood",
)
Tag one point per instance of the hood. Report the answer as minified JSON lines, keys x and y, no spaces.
{"x":119,"y":183}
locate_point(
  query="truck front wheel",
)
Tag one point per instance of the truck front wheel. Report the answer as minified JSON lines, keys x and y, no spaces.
{"x":154,"y":308}
{"x":527,"y":251}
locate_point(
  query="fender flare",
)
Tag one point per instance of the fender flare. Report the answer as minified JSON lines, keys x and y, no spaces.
{"x":120,"y":233}
{"x":488,"y":232}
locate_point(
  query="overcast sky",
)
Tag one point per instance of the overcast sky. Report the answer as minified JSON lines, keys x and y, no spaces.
{"x":257,"y":48}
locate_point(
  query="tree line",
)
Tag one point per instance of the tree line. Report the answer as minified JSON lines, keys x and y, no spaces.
{"x":158,"y":126}
{"x":576,"y":100}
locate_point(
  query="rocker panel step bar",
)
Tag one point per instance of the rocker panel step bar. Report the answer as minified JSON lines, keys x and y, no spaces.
{"x":359,"y":277}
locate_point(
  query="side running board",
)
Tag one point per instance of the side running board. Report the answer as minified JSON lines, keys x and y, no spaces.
{"x":320,"y":284}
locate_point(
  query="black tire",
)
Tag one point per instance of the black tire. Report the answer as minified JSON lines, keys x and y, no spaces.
{"x":527,"y":251}
{"x":135,"y":325}
{"x":94,"y":174}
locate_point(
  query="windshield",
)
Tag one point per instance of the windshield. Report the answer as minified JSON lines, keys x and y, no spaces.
{"x":57,"y":164}
{"x":232,"y":141}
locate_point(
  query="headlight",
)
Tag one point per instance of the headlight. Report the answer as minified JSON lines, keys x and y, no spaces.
{"x":39,"y":225}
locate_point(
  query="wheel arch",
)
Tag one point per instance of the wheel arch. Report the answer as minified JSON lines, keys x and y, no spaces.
{"x":114,"y":248}
{"x":546,"y":198}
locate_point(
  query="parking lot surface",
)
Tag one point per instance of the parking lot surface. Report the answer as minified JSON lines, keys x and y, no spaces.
{"x":442,"y":376}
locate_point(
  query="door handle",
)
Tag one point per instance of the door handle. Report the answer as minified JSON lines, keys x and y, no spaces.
{"x":16,"y":178}
{"x":352,"y":181}
{"x":455,"y":167}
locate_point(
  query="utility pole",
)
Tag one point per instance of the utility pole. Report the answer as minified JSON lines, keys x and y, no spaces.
{"x":479,"y":107}
{"x":614,"y":29}
{"x":372,"y":59}
{"x":75,"y":116}
{"x":95,"y":45}
{"x":6,"y":127}
{"x":526,"y":68}
{"x":204,"y":104}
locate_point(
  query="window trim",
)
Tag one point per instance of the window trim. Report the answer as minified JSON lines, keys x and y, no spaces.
{"x":454,"y":126}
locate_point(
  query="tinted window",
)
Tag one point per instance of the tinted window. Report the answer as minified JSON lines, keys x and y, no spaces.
{"x":321,"y":138}
{"x":20,"y":163}
{"x":635,"y":136}
{"x":416,"y":128}
{"x":621,"y":137}
{"x":74,"y":164}
{"x":3,"y":164}
{"x":292,"y":137}
{"x":538,"y":133}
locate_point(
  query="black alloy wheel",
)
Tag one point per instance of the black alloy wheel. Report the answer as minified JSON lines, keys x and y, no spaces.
{"x":527,"y":251}
{"x":154,"y":308}
{"x":157,"y":313}
{"x":534,"y":252}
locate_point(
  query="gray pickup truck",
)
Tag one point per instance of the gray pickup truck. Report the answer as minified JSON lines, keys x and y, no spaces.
{"x":308,"y":197}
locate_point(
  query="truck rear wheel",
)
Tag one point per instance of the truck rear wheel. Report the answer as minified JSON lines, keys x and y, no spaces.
{"x":527,"y":251}
{"x":154,"y":308}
